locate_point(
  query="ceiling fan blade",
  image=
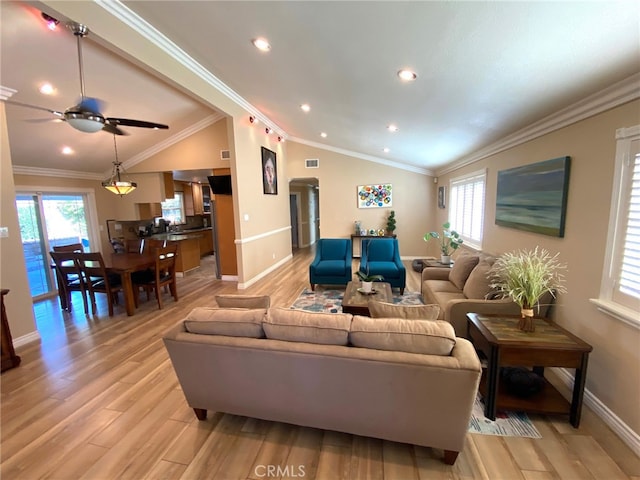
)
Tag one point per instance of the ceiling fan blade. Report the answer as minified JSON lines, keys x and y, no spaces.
{"x":126,"y":122}
{"x":108,"y":127}
{"x":45,"y":120}
{"x":20,"y":104}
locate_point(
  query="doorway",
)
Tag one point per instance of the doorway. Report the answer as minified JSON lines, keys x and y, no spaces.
{"x":47,"y":220}
{"x":305,"y":211}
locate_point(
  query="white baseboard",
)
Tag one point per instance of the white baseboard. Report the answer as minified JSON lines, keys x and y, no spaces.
{"x":626,"y":434}
{"x":24,"y":339}
{"x":275,"y":266}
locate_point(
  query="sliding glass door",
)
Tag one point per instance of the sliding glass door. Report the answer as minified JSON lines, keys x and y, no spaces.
{"x":47,"y":220}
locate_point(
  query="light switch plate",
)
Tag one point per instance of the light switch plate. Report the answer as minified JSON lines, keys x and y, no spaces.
{"x":4,"y":232}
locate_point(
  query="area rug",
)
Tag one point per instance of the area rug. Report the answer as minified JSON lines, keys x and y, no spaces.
{"x":506,"y":424}
{"x":330,"y":300}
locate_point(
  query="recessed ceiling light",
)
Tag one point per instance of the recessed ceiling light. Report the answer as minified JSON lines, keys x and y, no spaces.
{"x":392,"y":128}
{"x":47,"y":89}
{"x":386,"y":150}
{"x":305,"y":107}
{"x":407,"y":75}
{"x":261,"y":44}
{"x":323,"y":135}
{"x":67,"y":150}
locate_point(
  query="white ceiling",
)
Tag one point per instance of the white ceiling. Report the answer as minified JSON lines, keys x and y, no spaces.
{"x":485,"y":70}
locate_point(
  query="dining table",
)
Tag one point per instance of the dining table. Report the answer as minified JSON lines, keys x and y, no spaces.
{"x":124,"y":264}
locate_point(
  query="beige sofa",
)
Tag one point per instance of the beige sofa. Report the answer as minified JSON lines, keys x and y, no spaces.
{"x":464,"y":288}
{"x":397,"y":379}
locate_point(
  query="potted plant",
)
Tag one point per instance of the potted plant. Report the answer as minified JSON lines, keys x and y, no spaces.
{"x":367,"y":280}
{"x":525,"y":276}
{"x":449,"y":242}
{"x":391,"y":222}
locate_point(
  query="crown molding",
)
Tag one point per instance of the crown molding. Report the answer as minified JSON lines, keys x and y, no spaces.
{"x":51,"y":172}
{"x":363,"y":156}
{"x":133,"y":20}
{"x":6,"y":92}
{"x":613,"y":96}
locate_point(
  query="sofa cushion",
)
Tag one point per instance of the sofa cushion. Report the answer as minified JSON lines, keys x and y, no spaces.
{"x":441,"y":286}
{"x":379,"y":309}
{"x":477,"y":285}
{"x":299,"y":326}
{"x":462,"y":269}
{"x":232,"y":322}
{"x":428,"y":337}
{"x":243,"y":301}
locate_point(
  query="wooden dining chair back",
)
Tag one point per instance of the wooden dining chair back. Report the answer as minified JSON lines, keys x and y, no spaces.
{"x":69,"y":278}
{"x":98,"y":279}
{"x":164,"y":273}
{"x":134,"y":246}
{"x":72,"y":247}
{"x":152,"y":243}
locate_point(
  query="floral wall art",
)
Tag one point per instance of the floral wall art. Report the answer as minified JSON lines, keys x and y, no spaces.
{"x":375,"y":196}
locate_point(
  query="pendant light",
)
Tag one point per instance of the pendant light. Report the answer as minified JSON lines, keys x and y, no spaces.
{"x":115,"y":184}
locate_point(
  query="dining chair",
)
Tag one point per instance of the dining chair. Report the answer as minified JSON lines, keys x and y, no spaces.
{"x":164,"y":273}
{"x":69,"y":278}
{"x":134,"y":246}
{"x":72,"y":247}
{"x":98,"y":279}
{"x":152,"y":243}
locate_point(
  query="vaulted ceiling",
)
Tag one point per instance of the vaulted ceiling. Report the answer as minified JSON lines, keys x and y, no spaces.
{"x":484,"y":70}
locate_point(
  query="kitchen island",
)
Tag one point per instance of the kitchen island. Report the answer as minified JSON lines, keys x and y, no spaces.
{"x":189,"y":247}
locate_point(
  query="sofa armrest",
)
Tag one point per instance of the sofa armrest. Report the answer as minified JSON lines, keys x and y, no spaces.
{"x":435,"y":273}
{"x":455,"y":311}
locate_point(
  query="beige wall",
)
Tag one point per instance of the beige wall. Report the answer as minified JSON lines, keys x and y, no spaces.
{"x":13,"y":274}
{"x":614,"y":365}
{"x":414,"y":196}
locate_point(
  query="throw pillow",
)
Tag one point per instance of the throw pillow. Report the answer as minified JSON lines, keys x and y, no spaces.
{"x":299,"y":326}
{"x":477,"y":285}
{"x":461,"y":269}
{"x":428,"y":337}
{"x":378,"y":309}
{"x":243,"y":301}
{"x":231,"y":322}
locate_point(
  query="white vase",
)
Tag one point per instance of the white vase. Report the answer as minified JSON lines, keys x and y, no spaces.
{"x":367,"y":286}
{"x":445,"y":259}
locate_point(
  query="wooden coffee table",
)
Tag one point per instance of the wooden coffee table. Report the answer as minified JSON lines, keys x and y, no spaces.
{"x":356,"y":303}
{"x":504,"y":344}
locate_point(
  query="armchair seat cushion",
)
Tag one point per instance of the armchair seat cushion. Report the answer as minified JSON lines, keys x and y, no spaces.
{"x":331,"y":268}
{"x":386,"y":269}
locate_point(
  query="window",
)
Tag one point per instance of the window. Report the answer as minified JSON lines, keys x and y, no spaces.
{"x":173,"y":209}
{"x":466,"y":207}
{"x":620,"y":288}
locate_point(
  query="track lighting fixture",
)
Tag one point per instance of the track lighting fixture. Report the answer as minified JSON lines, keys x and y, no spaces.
{"x":253,"y":119}
{"x":268,"y":130}
{"x":52,"y":23}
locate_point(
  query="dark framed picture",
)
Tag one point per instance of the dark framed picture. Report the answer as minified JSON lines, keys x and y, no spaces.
{"x":442,"y":192}
{"x":269,"y":172}
{"x":534,"y":197}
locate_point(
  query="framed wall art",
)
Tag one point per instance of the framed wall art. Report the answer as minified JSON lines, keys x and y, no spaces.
{"x":375,"y":196}
{"x":269,"y":172}
{"x":534,"y":197}
{"x":442,"y":192}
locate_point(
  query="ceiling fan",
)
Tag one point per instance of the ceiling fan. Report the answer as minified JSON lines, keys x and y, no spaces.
{"x":86,"y":115}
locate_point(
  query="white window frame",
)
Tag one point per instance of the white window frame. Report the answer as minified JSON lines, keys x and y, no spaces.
{"x":461,"y":216}
{"x":611,"y":301}
{"x":179,"y":196}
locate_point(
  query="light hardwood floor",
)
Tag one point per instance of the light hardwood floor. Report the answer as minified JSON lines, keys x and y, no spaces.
{"x":97,"y":398}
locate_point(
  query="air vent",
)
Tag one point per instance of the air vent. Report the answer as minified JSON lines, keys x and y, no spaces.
{"x":225,"y":154}
{"x":312,"y":163}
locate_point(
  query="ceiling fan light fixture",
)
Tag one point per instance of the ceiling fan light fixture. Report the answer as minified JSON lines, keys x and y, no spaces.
{"x":83,"y":122}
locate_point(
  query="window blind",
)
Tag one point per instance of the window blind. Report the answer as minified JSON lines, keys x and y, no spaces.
{"x":466,"y":206}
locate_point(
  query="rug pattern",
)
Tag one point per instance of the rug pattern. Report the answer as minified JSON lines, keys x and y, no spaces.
{"x":330,"y":300}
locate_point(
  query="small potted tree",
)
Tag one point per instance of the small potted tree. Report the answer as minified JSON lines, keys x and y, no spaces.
{"x":391,"y":222}
{"x":525,"y":276}
{"x":449,"y":242}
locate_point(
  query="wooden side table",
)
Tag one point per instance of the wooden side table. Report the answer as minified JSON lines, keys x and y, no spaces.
{"x":360,"y":237}
{"x":504,"y":344}
{"x":8,"y":356}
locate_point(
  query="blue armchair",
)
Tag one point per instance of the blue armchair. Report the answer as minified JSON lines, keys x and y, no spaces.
{"x":332,"y":264}
{"x":381,"y":256}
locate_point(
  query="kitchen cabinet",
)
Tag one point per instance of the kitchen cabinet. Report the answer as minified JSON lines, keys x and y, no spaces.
{"x":149,"y":210}
{"x":206,"y":243}
{"x":206,"y":198}
{"x":189,"y":206}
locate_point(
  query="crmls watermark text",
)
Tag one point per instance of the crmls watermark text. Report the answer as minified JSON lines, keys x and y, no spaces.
{"x":291,"y":471}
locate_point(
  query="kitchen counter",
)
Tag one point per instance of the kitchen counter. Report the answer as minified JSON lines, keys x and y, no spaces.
{"x":181,"y":235}
{"x":189,"y":246}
